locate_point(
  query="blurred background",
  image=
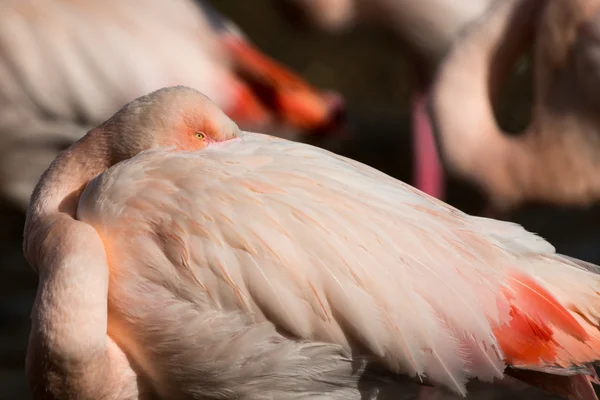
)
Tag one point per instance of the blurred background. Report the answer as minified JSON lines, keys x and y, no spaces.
{"x":371,"y":70}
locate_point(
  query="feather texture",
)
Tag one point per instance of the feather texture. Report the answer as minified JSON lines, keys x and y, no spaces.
{"x":259,"y":235}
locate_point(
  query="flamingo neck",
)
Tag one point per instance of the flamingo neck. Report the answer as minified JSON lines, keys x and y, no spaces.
{"x":461,"y":100}
{"x":74,"y":274}
{"x":61,"y":184}
{"x":56,"y":196}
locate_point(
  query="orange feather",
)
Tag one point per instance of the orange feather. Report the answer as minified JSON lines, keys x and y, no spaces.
{"x":530,"y":338}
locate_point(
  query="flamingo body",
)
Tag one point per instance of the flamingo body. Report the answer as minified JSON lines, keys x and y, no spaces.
{"x":555,"y":159}
{"x":429,"y":28}
{"x":66,"y":66}
{"x":243,"y":265}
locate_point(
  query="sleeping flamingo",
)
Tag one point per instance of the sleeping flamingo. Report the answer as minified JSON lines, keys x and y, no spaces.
{"x":556,"y":159}
{"x":66,"y":66}
{"x":427,"y":28}
{"x":180,"y":257}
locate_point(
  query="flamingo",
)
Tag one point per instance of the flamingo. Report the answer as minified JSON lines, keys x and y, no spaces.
{"x":181,"y":257}
{"x":428,"y":29}
{"x":66,"y":66}
{"x":555,"y":160}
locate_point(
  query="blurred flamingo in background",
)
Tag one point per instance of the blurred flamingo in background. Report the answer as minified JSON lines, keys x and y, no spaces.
{"x":65,"y":66}
{"x":557,"y":159}
{"x":225,"y":264}
{"x":427,"y":29}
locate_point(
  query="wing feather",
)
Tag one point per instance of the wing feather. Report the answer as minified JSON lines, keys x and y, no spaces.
{"x":325,"y":248}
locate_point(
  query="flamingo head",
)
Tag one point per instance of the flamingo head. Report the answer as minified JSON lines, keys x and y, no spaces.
{"x":174,"y":117}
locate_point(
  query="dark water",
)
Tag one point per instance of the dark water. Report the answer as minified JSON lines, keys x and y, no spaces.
{"x":369,"y":69}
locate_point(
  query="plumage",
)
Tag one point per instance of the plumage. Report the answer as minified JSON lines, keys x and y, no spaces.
{"x":429,"y":29}
{"x":554,"y":159}
{"x":66,"y":66}
{"x":254,"y":267}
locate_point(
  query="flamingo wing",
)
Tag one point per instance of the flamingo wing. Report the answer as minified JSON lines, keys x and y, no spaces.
{"x":331,"y":250}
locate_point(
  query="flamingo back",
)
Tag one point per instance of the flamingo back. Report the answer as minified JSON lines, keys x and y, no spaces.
{"x":263,"y":233}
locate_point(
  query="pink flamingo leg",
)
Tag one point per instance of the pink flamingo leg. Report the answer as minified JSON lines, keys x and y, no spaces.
{"x":428,"y":171}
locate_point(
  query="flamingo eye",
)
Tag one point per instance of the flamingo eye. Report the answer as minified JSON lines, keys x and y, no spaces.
{"x":200,"y":135}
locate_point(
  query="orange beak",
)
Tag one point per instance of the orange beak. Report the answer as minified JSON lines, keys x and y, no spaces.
{"x":270,"y":88}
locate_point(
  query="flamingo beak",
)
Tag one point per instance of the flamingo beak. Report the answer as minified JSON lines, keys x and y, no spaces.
{"x":271,"y":88}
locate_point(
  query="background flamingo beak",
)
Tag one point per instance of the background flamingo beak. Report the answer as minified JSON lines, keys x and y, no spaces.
{"x":247,"y":110}
{"x":274,"y":89}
